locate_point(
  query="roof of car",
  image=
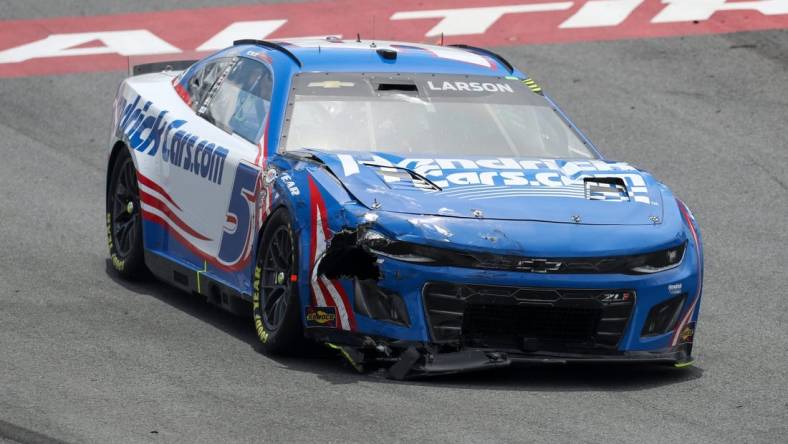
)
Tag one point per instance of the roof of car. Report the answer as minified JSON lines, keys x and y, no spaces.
{"x":332,"y":54}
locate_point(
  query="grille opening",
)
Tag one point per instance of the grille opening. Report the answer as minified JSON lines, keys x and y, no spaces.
{"x":553,"y":319}
{"x":531,"y":321}
{"x":398,"y":87}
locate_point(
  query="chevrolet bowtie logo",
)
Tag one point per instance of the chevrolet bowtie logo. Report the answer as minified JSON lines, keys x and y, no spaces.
{"x":538,"y":265}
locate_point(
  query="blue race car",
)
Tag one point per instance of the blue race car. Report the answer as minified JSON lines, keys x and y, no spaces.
{"x":425,"y":209}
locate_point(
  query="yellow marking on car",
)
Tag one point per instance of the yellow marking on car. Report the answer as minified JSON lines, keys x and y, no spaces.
{"x":199,"y":272}
{"x":353,"y":363}
{"x":683,"y":364}
{"x":532,"y":85}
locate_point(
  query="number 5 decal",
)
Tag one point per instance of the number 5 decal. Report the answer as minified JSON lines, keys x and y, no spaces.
{"x":239,"y":228}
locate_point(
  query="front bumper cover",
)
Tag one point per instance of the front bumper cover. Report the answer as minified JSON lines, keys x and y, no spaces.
{"x":415,"y":360}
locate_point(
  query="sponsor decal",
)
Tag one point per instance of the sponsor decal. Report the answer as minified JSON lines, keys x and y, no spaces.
{"x":259,"y":55}
{"x":688,"y":333}
{"x":270,"y":176}
{"x":321,"y":317}
{"x":290,"y":184}
{"x":468,"y":177}
{"x":103,"y":43}
{"x":675,"y":288}
{"x":157,"y":134}
{"x":469,"y":86}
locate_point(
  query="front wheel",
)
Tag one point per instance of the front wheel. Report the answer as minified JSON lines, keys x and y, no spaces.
{"x":124,"y":219}
{"x":277,"y":315}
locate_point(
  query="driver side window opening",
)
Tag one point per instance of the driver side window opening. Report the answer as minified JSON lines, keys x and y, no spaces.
{"x":201,"y":82}
{"x":241,"y":102}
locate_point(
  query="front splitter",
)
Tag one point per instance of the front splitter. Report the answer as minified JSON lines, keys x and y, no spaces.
{"x":415,"y":364}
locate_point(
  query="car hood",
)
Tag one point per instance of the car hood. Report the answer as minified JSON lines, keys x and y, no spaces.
{"x":593,"y":192}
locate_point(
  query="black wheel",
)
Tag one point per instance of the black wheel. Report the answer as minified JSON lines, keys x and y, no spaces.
{"x":124,"y":219}
{"x":277,"y":309}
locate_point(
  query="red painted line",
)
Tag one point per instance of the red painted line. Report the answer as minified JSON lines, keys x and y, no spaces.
{"x":193,"y":248}
{"x":155,"y":187}
{"x":313,"y":193}
{"x":161,"y":206}
{"x":351,"y":314}
{"x":186,"y":30}
{"x":262,"y":146}
{"x":182,"y":93}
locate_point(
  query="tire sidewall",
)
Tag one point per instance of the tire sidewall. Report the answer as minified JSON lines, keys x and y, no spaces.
{"x":290,"y":331}
{"x":132,"y":264}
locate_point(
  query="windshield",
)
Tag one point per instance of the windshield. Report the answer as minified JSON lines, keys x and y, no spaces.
{"x":427,"y":114}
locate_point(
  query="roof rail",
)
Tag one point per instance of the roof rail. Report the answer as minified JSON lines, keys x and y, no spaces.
{"x":271,"y":45}
{"x":486,"y":52}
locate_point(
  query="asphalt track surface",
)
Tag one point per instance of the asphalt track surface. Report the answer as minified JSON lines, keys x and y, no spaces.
{"x":85,"y":357}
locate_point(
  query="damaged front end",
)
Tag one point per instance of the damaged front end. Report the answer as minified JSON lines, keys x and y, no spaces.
{"x":424,"y":294}
{"x":414,"y":321}
{"x":426,"y":309}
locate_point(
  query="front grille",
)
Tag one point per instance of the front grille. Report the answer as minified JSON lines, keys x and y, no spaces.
{"x":531,"y":321}
{"x":510,"y":316}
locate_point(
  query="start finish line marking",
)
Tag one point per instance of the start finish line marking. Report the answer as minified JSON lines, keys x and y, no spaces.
{"x":104,"y":43}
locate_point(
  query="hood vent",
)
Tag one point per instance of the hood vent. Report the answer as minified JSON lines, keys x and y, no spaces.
{"x":399,"y":178}
{"x":606,"y":188}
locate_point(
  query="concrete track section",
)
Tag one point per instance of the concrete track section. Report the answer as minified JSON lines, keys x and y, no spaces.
{"x":85,"y":357}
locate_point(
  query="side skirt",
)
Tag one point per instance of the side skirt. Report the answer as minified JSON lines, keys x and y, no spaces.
{"x":195,"y":282}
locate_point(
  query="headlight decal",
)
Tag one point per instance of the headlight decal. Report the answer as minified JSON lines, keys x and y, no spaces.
{"x":661,"y":260}
{"x":377,"y":243}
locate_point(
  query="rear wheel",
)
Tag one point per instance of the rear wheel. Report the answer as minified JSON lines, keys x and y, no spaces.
{"x":124,"y":219}
{"x":277,"y":314}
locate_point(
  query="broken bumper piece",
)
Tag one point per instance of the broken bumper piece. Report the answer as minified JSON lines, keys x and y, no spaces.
{"x":414,"y":364}
{"x":418,"y":360}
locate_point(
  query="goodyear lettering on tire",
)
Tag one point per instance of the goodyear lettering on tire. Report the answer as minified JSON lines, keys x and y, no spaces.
{"x":258,"y":320}
{"x":117,"y":262}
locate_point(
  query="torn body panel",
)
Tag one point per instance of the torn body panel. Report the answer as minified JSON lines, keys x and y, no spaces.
{"x":391,"y":281}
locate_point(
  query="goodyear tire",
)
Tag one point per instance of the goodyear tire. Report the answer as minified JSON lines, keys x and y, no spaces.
{"x":275,"y":302}
{"x":124,"y":219}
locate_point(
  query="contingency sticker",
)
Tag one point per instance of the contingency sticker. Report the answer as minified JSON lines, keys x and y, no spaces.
{"x":325,"y":317}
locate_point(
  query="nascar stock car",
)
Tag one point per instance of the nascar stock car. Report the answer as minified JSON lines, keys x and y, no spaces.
{"x":423,"y":209}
